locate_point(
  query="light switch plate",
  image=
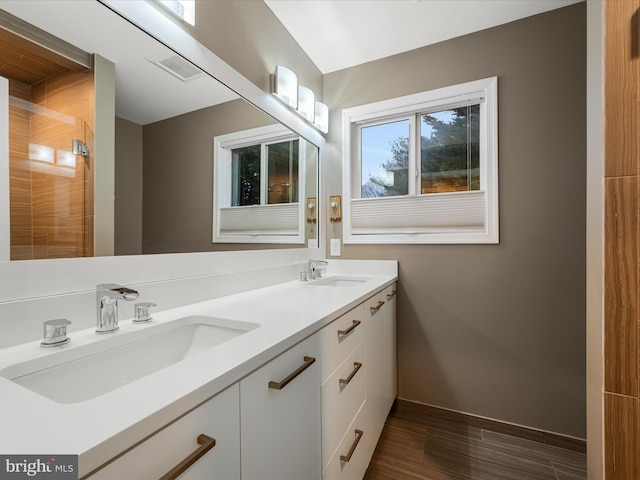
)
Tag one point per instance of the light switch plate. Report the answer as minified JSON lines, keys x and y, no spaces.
{"x":335,"y":247}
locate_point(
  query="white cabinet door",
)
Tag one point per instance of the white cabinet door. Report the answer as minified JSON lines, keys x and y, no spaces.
{"x":380,"y":340}
{"x":280,"y":417}
{"x":218,"y":420}
{"x":389,"y":387}
{"x":350,"y":461}
{"x":343,"y":394}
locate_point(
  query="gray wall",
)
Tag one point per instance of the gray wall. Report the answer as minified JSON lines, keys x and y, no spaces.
{"x":128,"y":188}
{"x":496,"y":330}
{"x":249,"y":37}
{"x":178,"y":177}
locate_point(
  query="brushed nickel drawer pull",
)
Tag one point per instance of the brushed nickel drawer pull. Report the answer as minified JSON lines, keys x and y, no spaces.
{"x":206,"y":443}
{"x":350,"y":329}
{"x":391,"y":295}
{"x":347,"y":457}
{"x":375,"y":309}
{"x":356,"y":367}
{"x":308,"y":361}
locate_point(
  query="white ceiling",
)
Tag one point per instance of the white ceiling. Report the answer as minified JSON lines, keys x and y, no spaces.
{"x":338,"y":34}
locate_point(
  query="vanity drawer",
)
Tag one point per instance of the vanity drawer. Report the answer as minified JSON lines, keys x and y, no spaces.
{"x":350,"y":461}
{"x":218,"y":418}
{"x":342,"y":396}
{"x":339,"y":339}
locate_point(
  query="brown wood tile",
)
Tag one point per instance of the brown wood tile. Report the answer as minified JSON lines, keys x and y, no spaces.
{"x":621,"y":286}
{"x":569,"y":472}
{"x":621,"y":88}
{"x":621,"y":437}
{"x":534,"y":450}
{"x":482,"y":459}
{"x":455,"y":450}
{"x":52,"y":205}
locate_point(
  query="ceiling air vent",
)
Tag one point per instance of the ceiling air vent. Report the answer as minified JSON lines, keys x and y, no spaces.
{"x":177,"y":66}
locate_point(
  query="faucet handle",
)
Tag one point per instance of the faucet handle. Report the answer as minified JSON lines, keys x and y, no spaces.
{"x":142,"y":314}
{"x":55,"y":332}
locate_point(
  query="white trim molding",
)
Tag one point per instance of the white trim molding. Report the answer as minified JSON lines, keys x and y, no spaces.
{"x":438,"y":218}
{"x":265,"y":223}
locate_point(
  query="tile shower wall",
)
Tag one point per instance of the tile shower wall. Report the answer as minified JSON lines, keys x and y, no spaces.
{"x":621,"y":394}
{"x":51,"y":203}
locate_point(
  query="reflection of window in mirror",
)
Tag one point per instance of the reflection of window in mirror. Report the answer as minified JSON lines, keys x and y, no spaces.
{"x":258,"y":176}
{"x":282,"y":172}
{"x":245,"y":176}
{"x":277,"y":163}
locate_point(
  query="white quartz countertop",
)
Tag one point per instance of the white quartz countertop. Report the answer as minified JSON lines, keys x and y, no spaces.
{"x":98,"y":429}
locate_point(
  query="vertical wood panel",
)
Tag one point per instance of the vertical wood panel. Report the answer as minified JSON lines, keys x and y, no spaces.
{"x":621,"y":260}
{"x":20,"y":175}
{"x":622,"y":107}
{"x":621,"y":88}
{"x":621,"y":437}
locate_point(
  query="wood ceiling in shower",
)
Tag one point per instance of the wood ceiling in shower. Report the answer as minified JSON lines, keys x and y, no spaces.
{"x":28,"y":62}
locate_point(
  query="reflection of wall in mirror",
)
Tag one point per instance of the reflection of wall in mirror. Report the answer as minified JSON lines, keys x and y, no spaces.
{"x":177,"y":180}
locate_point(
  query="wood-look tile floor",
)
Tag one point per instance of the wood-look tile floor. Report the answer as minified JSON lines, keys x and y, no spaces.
{"x":419,"y":446}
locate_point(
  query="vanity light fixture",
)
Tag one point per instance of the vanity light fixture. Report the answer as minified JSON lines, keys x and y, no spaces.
{"x":306,"y":103}
{"x":321,"y":119}
{"x":301,"y":99}
{"x":286,"y":86}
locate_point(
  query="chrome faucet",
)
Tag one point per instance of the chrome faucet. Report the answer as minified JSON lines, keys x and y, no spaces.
{"x":316,"y":267}
{"x":107,"y":296}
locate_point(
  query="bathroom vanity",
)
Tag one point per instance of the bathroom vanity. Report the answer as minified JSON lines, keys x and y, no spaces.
{"x":298,"y":388}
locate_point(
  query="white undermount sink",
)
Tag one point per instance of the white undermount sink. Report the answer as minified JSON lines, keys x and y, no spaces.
{"x":92,"y":370}
{"x":339,"y":281}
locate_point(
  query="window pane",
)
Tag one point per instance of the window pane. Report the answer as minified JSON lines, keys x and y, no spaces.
{"x":450,"y":150}
{"x":282,"y":172}
{"x":385,"y":159}
{"x":245,"y":176}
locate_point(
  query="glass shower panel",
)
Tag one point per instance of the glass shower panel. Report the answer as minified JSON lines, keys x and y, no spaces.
{"x":51,"y":185}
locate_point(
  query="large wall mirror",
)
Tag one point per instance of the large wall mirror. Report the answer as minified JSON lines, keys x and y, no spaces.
{"x":98,"y":110}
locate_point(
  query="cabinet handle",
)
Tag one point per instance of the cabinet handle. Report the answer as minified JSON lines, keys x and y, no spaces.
{"x":308,"y":361}
{"x":391,"y":295}
{"x":350,"y":329}
{"x":376,"y":308}
{"x":356,"y":367}
{"x":347,"y":457}
{"x":206,"y":443}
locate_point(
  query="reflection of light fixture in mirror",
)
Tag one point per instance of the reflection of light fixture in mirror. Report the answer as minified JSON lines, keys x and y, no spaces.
{"x":183,"y":9}
{"x":301,"y":99}
{"x":321,"y":119}
{"x":65,"y":158}
{"x":41,"y":153}
{"x":286,"y":86}
{"x":306,"y":103}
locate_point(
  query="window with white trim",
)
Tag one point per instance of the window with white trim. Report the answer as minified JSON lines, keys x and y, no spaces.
{"x":257,"y":176}
{"x":423,"y":168}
